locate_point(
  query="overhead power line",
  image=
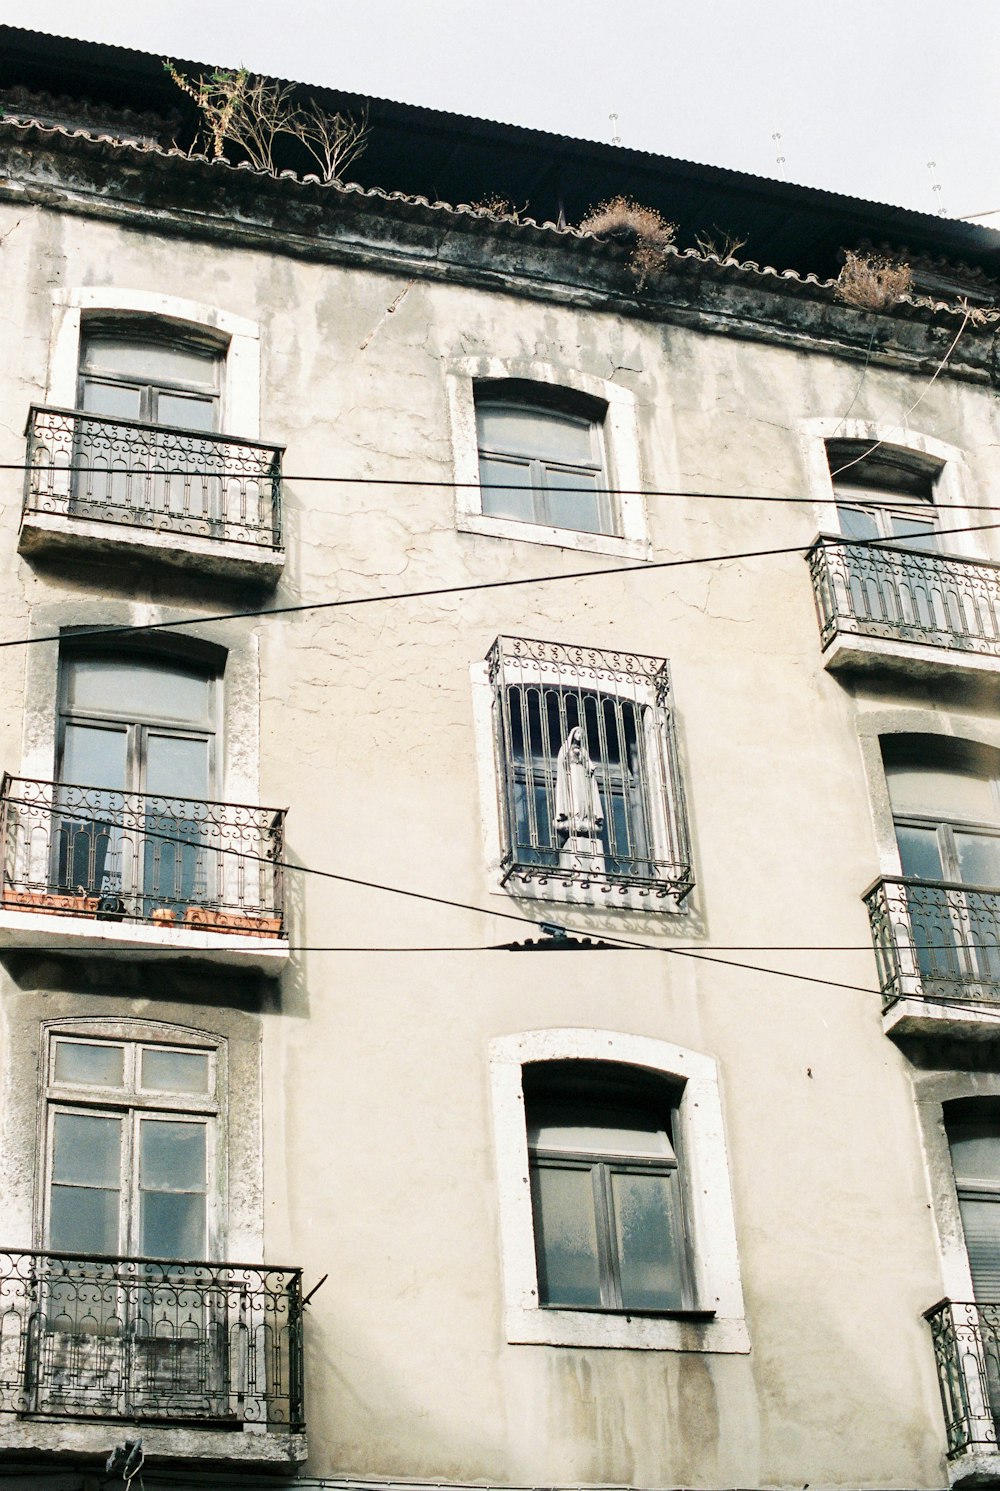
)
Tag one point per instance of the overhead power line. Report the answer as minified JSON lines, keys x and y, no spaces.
{"x":811,"y":499}
{"x":638,"y":567}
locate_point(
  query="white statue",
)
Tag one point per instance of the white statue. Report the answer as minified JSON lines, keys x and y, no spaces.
{"x":579,"y":811}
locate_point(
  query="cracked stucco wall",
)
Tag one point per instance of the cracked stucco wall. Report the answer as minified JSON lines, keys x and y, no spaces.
{"x":378,"y":1166}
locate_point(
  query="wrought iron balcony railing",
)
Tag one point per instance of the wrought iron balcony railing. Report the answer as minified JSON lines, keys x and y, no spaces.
{"x":131,"y":1338}
{"x":967,"y":1352}
{"x":127,"y":471}
{"x":906,"y":595}
{"x":935,"y":938}
{"x":87,"y":851}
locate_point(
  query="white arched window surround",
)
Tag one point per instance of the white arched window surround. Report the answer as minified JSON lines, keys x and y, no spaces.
{"x":621,"y":441}
{"x":238,"y":337}
{"x":951,"y":488}
{"x":708,"y":1198}
{"x":876,"y":724}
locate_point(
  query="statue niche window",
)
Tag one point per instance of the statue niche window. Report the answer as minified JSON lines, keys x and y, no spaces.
{"x":590,"y":791}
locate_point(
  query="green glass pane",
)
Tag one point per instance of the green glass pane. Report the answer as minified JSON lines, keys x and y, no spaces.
{"x":87,"y":1149}
{"x":649,"y":1267}
{"x":172,"y":1225}
{"x":975,"y":1153}
{"x":83,"y":1220}
{"x":94,"y":757}
{"x":855,"y":523}
{"x":566,"y":506}
{"x":174,"y":1071}
{"x":85,"y":1062}
{"x":172,"y":1155}
{"x":978,"y":858}
{"x":919,"y":854}
{"x":565,"y":1237}
{"x":138,"y":689}
{"x":184,"y":413}
{"x":112,"y":400}
{"x":538,"y":434}
{"x":507,"y":491}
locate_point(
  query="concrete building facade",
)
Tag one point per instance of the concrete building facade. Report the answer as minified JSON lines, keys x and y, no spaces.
{"x":490,"y":991}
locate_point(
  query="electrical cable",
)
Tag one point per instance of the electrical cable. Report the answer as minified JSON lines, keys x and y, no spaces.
{"x":918,"y":400}
{"x":643,"y":566}
{"x":449,"y":483}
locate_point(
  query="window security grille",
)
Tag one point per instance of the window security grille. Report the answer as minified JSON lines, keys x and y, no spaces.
{"x":589,"y":785}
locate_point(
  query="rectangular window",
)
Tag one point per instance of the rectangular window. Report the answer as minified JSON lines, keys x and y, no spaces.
{"x":589,"y":784}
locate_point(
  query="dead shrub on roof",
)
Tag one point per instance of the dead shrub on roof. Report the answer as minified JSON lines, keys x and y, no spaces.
{"x":720,"y":244}
{"x":645,"y":230}
{"x":249,"y":112}
{"x":872,"y":282}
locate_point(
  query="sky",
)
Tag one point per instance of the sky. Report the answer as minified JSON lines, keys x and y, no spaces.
{"x":863,"y":93}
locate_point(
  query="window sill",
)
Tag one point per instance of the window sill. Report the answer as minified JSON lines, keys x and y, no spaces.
{"x":51,"y":933}
{"x":562,"y":538}
{"x":53,"y":535}
{"x":696,"y":1330}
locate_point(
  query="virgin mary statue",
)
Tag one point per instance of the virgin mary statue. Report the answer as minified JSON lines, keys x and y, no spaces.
{"x":579,"y":811}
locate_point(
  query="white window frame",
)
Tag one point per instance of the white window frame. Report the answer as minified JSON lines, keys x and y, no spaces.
{"x":537,"y":886}
{"x":238,"y":339}
{"x":707,"y":1191}
{"x":623,"y":466}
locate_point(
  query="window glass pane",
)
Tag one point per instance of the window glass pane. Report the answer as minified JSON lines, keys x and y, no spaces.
{"x":114,"y":400}
{"x":951,"y":795}
{"x":649,"y":1268}
{"x":138,"y":689}
{"x":978,"y":858}
{"x":981,"y":1224}
{"x":568,"y":507}
{"x":185,"y":414}
{"x":150,"y":361}
{"x":918,"y":533}
{"x":539,"y":434}
{"x":975,"y":1153}
{"x":565,"y":1236}
{"x":174,"y":1071}
{"x":172,"y":1225}
{"x":87,"y":1149}
{"x":556,"y":1126}
{"x":85,"y":1062}
{"x":857,"y":524}
{"x":176,"y":767}
{"x":507,"y":489}
{"x":919,"y":854}
{"x":83,"y":1221}
{"x":172,"y":1155}
{"x":94,"y":757}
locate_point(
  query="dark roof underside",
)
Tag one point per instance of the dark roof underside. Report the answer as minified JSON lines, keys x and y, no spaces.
{"x":453,"y":158}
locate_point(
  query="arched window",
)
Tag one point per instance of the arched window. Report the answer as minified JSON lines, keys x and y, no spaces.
{"x":139,"y":369}
{"x":884,"y":491}
{"x":137,"y":758}
{"x":541,"y":457}
{"x":606,"y":1188}
{"x":616,"y":1217}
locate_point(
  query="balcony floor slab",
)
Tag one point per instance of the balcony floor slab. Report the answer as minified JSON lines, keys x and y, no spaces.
{"x":249,"y":1445}
{"x":850,"y":652}
{"x":61,"y":535}
{"x":923,"y":1017}
{"x":52,"y":933}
